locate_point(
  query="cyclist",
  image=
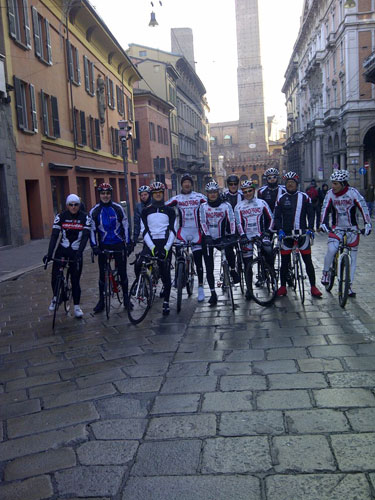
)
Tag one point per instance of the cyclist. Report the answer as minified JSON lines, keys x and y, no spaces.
{"x":110,"y":231}
{"x":233,"y":195}
{"x":159,"y":234}
{"x":343,"y":201}
{"x":294,"y":212}
{"x":272,"y":191}
{"x":253,"y":218}
{"x":145,"y":196}
{"x":215,"y":215}
{"x":74,"y":225}
{"x":188,"y":203}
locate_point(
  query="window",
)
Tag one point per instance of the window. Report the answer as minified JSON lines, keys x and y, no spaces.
{"x":110,"y":93}
{"x":42,"y":40}
{"x":165,"y":136}
{"x":88,"y":67}
{"x":342,"y":51}
{"x":120,"y":100}
{"x":115,"y":145}
{"x":227,"y":140}
{"x":142,"y":53}
{"x":50,"y":115}
{"x":151,"y":128}
{"x":129,"y":109}
{"x":19,"y":26}
{"x":25,"y":106}
{"x":94,"y":131}
{"x":80,"y":128}
{"x":137,"y":139}
{"x":160,"y":134}
{"x":74,"y":71}
{"x":342,"y":85}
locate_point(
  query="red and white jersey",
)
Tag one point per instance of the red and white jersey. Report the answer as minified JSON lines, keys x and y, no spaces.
{"x":343,"y":207}
{"x":216,"y":220}
{"x":188,"y":206}
{"x":253,"y":217}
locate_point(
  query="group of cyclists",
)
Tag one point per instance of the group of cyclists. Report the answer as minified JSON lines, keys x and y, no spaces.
{"x":237,"y":213}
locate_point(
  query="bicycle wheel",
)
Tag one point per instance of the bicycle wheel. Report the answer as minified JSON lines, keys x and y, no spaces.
{"x":58,"y":295}
{"x":332,"y":272}
{"x":260,"y":272}
{"x":277,"y":262}
{"x":67,"y":292}
{"x":140,"y":298}
{"x":300,"y":279}
{"x":107,"y":293}
{"x":115,"y":286}
{"x":344,"y":280}
{"x":190,"y":273}
{"x":227,"y":284}
{"x":180,"y":283}
{"x":240,"y":270}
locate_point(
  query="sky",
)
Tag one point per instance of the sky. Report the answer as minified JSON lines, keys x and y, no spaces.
{"x":215,"y":46}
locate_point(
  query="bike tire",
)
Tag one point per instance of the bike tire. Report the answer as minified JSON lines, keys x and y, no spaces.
{"x":300,"y":279}
{"x":57,"y":294}
{"x":67,"y":292}
{"x":107,"y":294}
{"x":227,"y":284}
{"x":240,"y":271}
{"x":140,"y":298}
{"x":344,"y":281}
{"x":116,"y":287}
{"x":190,"y":273}
{"x":277,"y":262}
{"x":258,"y":270}
{"x":180,"y":283}
{"x":332,"y":275}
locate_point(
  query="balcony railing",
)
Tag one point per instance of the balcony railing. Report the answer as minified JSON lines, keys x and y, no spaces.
{"x":331,"y":116}
{"x":369,"y":67}
{"x":331,"y":39}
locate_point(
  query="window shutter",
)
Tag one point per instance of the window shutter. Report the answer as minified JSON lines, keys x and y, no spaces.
{"x":92,"y":78}
{"x":33,"y":109}
{"x":108,"y":91}
{"x":55,"y":117}
{"x":118,"y":98}
{"x":78,"y":68}
{"x":12,"y":19}
{"x":44,"y":113}
{"x":19,"y":105}
{"x":91,"y":132}
{"x":117,"y":144}
{"x":48,"y":42}
{"x":112,"y":140}
{"x":69,"y":56}
{"x":83,"y":127}
{"x":97,"y":134}
{"x":113,"y":95}
{"x":26,"y":24}
{"x":137,"y":142}
{"x":36,"y":32}
{"x":86,"y":73}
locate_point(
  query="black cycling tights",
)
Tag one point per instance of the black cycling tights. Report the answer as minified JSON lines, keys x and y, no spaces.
{"x":75,"y":272}
{"x":285,"y":261}
{"x":209,"y":263}
{"x":197,"y":254}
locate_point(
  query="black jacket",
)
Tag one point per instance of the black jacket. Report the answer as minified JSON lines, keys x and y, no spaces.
{"x":293,"y":211}
{"x":74,"y":230}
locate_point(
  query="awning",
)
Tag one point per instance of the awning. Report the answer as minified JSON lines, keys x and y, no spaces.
{"x":59,"y":166}
{"x":96,"y":170}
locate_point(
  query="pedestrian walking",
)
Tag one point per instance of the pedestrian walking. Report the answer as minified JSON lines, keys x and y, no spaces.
{"x":370,"y":198}
{"x":312,"y":192}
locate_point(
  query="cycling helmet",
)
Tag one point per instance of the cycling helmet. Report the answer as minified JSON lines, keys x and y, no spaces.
{"x":340,"y":176}
{"x":247,"y":184}
{"x":271,"y":171}
{"x":212,"y":186}
{"x":187,"y":177}
{"x":143,"y":189}
{"x":104,"y":186}
{"x":233,"y":178}
{"x":291,"y":175}
{"x":157,"y":186}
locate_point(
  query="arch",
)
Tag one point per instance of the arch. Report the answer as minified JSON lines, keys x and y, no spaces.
{"x":243,"y":178}
{"x":89,"y":32}
{"x":255,"y":178}
{"x":343,"y":139}
{"x":336,"y":142}
{"x":369,"y":156}
{"x":330,"y":145}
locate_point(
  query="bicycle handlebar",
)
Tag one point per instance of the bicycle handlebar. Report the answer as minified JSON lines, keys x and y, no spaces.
{"x":223,"y":244}
{"x":347,"y":230}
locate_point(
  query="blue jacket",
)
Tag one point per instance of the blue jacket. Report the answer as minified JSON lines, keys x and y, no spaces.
{"x":137,"y":218}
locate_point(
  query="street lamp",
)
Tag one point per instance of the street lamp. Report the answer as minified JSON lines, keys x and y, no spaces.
{"x":349,"y":4}
{"x":125,"y":135}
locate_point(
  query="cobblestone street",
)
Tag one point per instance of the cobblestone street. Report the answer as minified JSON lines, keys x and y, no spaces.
{"x":264,"y":404}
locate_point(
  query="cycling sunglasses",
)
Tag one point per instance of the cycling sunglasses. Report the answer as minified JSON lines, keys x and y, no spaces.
{"x":272,"y":177}
{"x":246,"y":191}
{"x":232,"y":183}
{"x":74,"y":204}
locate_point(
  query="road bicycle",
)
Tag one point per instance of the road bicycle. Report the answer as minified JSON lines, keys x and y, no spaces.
{"x":143,"y":290}
{"x":225,"y":282}
{"x":276,"y":257}
{"x":296,"y":277}
{"x":63,"y":287}
{"x":240,"y":267}
{"x":341,"y":265}
{"x":185,"y":271}
{"x":112,"y":282}
{"x":260,"y":276}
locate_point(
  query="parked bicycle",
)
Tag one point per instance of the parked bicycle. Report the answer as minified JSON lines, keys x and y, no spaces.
{"x":112,"y":283}
{"x":63,"y":287}
{"x":185,"y":271}
{"x":260,"y":277}
{"x":143,"y":290}
{"x":296,"y":277}
{"x":341,"y":265}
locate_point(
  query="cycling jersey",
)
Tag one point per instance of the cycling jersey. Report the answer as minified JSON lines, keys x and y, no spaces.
{"x":188,"y":207}
{"x":158,"y":222}
{"x":343,"y":207}
{"x":214,"y":220}
{"x":271,"y":196}
{"x":293,"y":211}
{"x":138,"y":226}
{"x":233,"y":198}
{"x":74,"y":230}
{"x":253,"y":217}
{"x":110,"y":223}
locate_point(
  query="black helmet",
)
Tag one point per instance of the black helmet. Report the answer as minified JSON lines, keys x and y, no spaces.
{"x":233,"y":178}
{"x":187,"y":177}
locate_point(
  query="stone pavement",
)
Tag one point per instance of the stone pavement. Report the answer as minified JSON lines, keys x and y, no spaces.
{"x":265,"y":404}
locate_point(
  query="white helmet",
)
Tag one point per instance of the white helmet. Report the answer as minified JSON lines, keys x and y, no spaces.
{"x":248,"y":184}
{"x":271,"y":171}
{"x":212,"y":186}
{"x":144,"y":189}
{"x":291,"y":175}
{"x":340,"y":176}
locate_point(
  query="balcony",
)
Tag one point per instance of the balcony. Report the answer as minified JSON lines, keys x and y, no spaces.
{"x":290,"y":117}
{"x":331,"y":116}
{"x":369,"y":67}
{"x":331,"y":40}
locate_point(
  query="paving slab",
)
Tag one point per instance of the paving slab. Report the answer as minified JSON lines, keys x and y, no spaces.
{"x":316,"y":421}
{"x":35,"y":488}
{"x":183,"y":426}
{"x":110,"y":452}
{"x":124,"y":428}
{"x":336,"y":398}
{"x":355,"y":452}
{"x":362,"y":419}
{"x":90,"y":481}
{"x":251,"y":423}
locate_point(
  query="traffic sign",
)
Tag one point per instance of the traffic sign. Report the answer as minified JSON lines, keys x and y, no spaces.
{"x":362,"y":171}
{"x":366,"y":164}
